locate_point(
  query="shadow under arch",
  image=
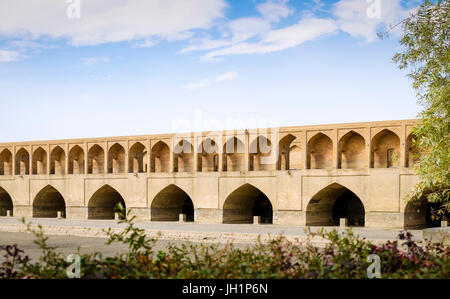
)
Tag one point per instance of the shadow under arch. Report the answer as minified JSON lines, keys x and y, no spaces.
{"x":6,"y":203}
{"x":48,"y":202}
{"x":417,"y":215}
{"x":332,"y":203}
{"x":103,"y":202}
{"x":246,"y":202}
{"x":169,"y":203}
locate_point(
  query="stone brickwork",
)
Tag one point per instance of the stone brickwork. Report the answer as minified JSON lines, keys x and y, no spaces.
{"x":312,"y":175}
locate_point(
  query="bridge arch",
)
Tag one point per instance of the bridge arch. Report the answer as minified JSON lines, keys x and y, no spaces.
{"x":103,"y":202}
{"x":76,"y":160}
{"x":261,"y":151}
{"x":183,"y":156}
{"x":6,"y":203}
{"x":234,"y":154}
{"x":58,"y":161}
{"x":352,"y":151}
{"x":6,"y":162}
{"x":412,"y":151}
{"x":137,"y":159}
{"x":40,"y":161}
{"x":385,"y":150}
{"x":170,"y":202}
{"x":160,"y":157}
{"x":332,"y":203}
{"x":284,"y":155}
{"x":48,"y":202}
{"x":208,"y":156}
{"x":116,"y":159}
{"x":246,"y":202}
{"x":96,"y":160}
{"x":320,"y":152}
{"x":22,"y":162}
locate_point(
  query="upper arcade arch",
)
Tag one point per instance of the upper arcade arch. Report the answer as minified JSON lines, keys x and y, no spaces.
{"x":160,"y":157}
{"x":76,"y":160}
{"x":385,"y":151}
{"x":22,"y":162}
{"x":234,"y":155}
{"x":40,"y":161}
{"x":6,"y":162}
{"x":261,"y":154}
{"x":116,"y":159}
{"x":58,"y":161}
{"x":352,"y":151}
{"x":137,"y":159}
{"x":320,"y":152}
{"x":96,"y":160}
{"x":183,"y":156}
{"x":208,"y":156}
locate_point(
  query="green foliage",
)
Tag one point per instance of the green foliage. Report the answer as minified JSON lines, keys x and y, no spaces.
{"x":343,"y":256}
{"x":425,"y":52}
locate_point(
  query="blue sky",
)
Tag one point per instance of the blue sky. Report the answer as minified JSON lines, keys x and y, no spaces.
{"x":130,"y":67}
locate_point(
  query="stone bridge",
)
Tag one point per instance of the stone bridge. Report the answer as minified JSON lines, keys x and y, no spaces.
{"x":306,"y":176}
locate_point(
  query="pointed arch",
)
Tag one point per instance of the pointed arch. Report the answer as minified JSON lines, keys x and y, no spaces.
{"x":352,"y":151}
{"x":412,"y":151}
{"x":96,"y":160}
{"x":76,"y":160}
{"x":295,"y":157}
{"x":246,"y":202}
{"x":116,"y":159}
{"x":208,"y":156}
{"x":160,"y":157}
{"x":320,"y":152}
{"x":40,"y":161}
{"x":6,"y":203}
{"x":137,"y":158}
{"x":417,"y":214}
{"x":385,"y":150}
{"x":169,"y":203}
{"x":234,"y":154}
{"x":284,"y":157}
{"x":48,"y":202}
{"x":261,"y":150}
{"x":103,"y":202}
{"x":22,"y":162}
{"x":332,"y":203}
{"x":183,"y":155}
{"x":6,"y":162}
{"x":58,"y":161}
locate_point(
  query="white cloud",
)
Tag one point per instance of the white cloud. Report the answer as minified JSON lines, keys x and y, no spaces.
{"x":242,"y":29}
{"x":275,"y":9}
{"x":280,"y":39}
{"x":362,"y":18}
{"x":104,"y":21}
{"x":88,"y":61}
{"x":10,"y":56}
{"x":206,"y":82}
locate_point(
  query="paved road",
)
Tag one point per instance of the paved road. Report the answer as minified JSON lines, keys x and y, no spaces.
{"x":69,"y":244}
{"x":369,"y":233}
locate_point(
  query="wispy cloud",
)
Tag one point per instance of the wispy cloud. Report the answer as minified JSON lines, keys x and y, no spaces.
{"x":88,"y":61}
{"x":207,"y":82}
{"x":10,"y":56}
{"x":259,"y":35}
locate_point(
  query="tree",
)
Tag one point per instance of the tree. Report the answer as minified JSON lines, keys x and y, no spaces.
{"x":425,"y":52}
